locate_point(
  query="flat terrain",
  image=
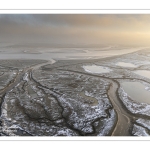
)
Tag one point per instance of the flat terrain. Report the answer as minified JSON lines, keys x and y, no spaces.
{"x":69,"y":98}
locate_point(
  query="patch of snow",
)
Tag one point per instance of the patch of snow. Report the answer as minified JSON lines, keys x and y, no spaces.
{"x":108,"y":124}
{"x":65,"y":132}
{"x":147,"y":88}
{"x":124,"y":64}
{"x":139,"y":131}
{"x":96,"y":69}
{"x":25,"y":78}
{"x":144,"y":122}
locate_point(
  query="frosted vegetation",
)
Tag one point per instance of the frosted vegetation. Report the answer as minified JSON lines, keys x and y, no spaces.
{"x":50,"y":103}
{"x":74,"y":98}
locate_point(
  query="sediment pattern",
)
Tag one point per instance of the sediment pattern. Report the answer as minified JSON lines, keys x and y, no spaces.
{"x":62,"y":99}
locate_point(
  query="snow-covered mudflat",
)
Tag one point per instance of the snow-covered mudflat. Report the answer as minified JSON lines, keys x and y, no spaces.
{"x":124,"y":64}
{"x":144,"y":73}
{"x":96,"y":69}
{"x":92,"y":97}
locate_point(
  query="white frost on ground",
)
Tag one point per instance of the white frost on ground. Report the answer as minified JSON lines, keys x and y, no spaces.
{"x":147,"y":88}
{"x":65,"y":132}
{"x":108,"y":124}
{"x":132,"y":106}
{"x":139,"y":131}
{"x":83,"y":123}
{"x":144,"y":122}
{"x":25,"y":78}
{"x":52,"y":61}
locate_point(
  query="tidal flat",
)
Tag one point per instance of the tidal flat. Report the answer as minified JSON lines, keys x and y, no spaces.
{"x":75,"y":93}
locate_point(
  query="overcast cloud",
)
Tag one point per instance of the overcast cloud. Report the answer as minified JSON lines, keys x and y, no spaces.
{"x":75,"y":29}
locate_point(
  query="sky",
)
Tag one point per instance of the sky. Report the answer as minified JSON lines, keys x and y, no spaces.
{"x":76,"y":29}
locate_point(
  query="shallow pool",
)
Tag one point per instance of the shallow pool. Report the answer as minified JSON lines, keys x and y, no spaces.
{"x":96,"y":69}
{"x":144,"y":73}
{"x":124,"y":64}
{"x":137,"y":91}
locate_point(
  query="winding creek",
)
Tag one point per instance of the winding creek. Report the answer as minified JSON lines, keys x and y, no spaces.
{"x":124,"y":117}
{"x":123,"y":123}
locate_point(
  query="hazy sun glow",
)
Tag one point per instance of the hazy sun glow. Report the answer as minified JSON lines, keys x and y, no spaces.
{"x":76,"y":29}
